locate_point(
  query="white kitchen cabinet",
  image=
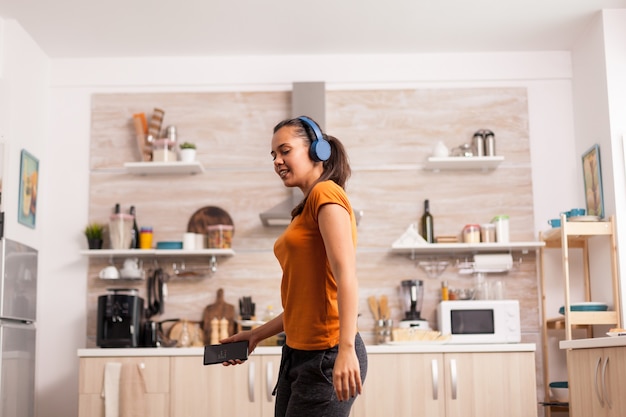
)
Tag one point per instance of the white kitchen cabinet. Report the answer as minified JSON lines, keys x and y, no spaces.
{"x":143,"y":386}
{"x":450,"y":385}
{"x":220,"y":391}
{"x":597,"y":378}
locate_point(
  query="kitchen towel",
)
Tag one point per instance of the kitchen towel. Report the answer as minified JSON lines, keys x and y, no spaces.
{"x":493,"y":262}
{"x":111,"y":389}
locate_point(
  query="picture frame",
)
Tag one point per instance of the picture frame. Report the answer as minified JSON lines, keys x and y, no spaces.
{"x":29,"y":179}
{"x":592,"y":179}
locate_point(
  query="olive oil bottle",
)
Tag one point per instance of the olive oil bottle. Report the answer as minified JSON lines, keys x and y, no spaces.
{"x":426,"y":224}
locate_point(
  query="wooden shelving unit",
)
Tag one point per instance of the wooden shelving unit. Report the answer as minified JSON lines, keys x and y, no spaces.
{"x":576,"y":235}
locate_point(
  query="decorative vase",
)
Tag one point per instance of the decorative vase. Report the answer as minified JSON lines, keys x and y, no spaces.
{"x":187,"y":155}
{"x":95,"y":243}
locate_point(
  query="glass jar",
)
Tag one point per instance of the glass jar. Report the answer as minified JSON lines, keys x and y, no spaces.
{"x":471,"y":233}
{"x":163,"y":151}
{"x":488,"y":233}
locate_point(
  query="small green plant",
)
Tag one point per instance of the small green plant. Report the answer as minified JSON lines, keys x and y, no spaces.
{"x":94,"y":231}
{"x":187,"y":145}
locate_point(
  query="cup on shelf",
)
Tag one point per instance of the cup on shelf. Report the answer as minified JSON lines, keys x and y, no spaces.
{"x":109,"y":272}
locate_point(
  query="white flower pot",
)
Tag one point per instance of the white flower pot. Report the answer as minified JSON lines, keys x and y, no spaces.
{"x":187,"y":155}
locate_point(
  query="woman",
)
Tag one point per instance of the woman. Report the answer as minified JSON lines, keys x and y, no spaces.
{"x":324,"y":361}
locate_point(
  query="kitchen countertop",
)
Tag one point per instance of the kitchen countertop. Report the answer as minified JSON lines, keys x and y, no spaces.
{"x":596,"y":342}
{"x":276,"y":350}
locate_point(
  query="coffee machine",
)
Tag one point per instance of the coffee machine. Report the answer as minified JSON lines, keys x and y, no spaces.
{"x":412,"y":293}
{"x":120,"y":316}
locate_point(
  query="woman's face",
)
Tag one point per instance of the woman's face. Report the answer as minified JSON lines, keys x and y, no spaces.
{"x":291,"y":159}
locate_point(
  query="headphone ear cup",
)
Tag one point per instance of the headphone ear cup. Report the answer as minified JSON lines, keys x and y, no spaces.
{"x":320,"y":148}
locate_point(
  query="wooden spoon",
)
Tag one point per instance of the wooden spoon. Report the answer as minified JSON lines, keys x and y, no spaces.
{"x":371,"y":300}
{"x":384,"y":308}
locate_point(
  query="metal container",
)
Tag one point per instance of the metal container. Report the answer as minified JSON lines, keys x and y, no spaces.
{"x":490,"y":144}
{"x":478,"y":144}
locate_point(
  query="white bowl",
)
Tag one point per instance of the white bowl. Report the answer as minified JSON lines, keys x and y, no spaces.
{"x":559,"y":394}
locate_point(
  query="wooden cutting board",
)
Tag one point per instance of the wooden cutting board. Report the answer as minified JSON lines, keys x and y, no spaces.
{"x":219,"y":309}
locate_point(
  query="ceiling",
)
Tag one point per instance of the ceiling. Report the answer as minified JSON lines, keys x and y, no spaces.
{"x":122,"y":28}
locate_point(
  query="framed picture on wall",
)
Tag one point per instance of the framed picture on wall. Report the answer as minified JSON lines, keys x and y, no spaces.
{"x":29,"y":176}
{"x":592,"y":176}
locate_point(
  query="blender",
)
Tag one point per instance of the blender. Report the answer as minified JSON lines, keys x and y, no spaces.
{"x":412,"y":292}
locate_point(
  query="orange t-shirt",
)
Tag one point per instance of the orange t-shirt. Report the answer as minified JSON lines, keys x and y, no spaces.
{"x":308,"y":288}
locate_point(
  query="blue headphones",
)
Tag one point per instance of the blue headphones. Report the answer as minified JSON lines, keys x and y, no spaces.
{"x":320,"y":148}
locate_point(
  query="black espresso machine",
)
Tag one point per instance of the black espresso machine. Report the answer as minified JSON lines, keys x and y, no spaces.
{"x":120,"y":317}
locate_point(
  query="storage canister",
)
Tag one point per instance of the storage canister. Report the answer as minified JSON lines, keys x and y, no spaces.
{"x":488,"y":233}
{"x":471,"y":233}
{"x":502,"y":228}
{"x":220,"y":236}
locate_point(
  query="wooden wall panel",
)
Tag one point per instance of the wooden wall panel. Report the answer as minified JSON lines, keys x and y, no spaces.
{"x":388,"y":135}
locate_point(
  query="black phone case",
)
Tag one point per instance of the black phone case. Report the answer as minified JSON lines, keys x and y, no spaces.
{"x":225,"y":352}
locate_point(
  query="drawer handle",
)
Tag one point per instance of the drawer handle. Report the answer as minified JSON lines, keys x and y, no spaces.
{"x":453,"y":377}
{"x":435,"y":374}
{"x":596,"y":385}
{"x":251,"y":382}
{"x":269,"y":381}
{"x":604,"y":390}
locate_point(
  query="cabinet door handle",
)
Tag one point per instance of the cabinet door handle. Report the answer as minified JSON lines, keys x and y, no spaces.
{"x":453,"y":377}
{"x":596,"y":386}
{"x":269,"y":382}
{"x":604,"y":390}
{"x":435,"y":375}
{"x":251,"y":381}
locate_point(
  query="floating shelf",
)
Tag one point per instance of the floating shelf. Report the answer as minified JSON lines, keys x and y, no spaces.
{"x":463,"y":162}
{"x":156,"y":168}
{"x":102,"y":253}
{"x":467,"y":248}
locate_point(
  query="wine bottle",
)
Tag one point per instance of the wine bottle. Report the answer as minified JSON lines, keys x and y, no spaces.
{"x":426,"y":224}
{"x":134,"y":240}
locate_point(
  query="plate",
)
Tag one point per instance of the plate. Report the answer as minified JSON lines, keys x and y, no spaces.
{"x":208,"y":216}
{"x":584,"y":219}
{"x":587,"y":306}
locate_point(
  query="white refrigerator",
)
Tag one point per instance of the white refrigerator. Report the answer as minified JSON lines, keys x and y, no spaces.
{"x":18,"y":308}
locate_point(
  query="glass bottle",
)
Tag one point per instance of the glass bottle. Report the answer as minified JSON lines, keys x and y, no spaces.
{"x":426,"y":223}
{"x":134,"y":241}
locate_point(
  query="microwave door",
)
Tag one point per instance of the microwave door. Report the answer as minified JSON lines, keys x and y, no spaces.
{"x":17,"y":369}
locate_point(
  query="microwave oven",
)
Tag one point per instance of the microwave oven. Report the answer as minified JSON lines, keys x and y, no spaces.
{"x":480,"y":321}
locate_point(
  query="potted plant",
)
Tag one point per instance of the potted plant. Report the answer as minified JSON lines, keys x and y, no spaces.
{"x":95,"y":235}
{"x":187,"y":152}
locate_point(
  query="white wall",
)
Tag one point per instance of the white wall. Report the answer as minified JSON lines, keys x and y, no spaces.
{"x":556,"y":171}
{"x":24,"y":93}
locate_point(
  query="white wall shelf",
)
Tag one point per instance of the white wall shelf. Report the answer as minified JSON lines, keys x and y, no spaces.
{"x":128,"y":253}
{"x":463,"y":163}
{"x":455,"y":249}
{"x":156,"y":168}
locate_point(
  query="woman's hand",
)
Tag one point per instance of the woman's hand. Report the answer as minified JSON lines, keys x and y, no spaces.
{"x":255,"y":336}
{"x":347,"y":374}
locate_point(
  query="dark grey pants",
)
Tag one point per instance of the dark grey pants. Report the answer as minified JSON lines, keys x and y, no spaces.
{"x":305,"y":383}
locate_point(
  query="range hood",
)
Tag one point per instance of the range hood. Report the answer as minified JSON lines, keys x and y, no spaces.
{"x":307,"y":99}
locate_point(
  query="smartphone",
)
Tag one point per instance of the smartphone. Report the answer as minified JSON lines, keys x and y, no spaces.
{"x":225,"y":352}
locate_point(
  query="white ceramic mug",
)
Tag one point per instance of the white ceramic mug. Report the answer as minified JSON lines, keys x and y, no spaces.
{"x":109,"y":272}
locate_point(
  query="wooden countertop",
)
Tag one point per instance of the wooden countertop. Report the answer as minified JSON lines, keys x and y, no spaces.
{"x":276,"y":350}
{"x":596,"y":342}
